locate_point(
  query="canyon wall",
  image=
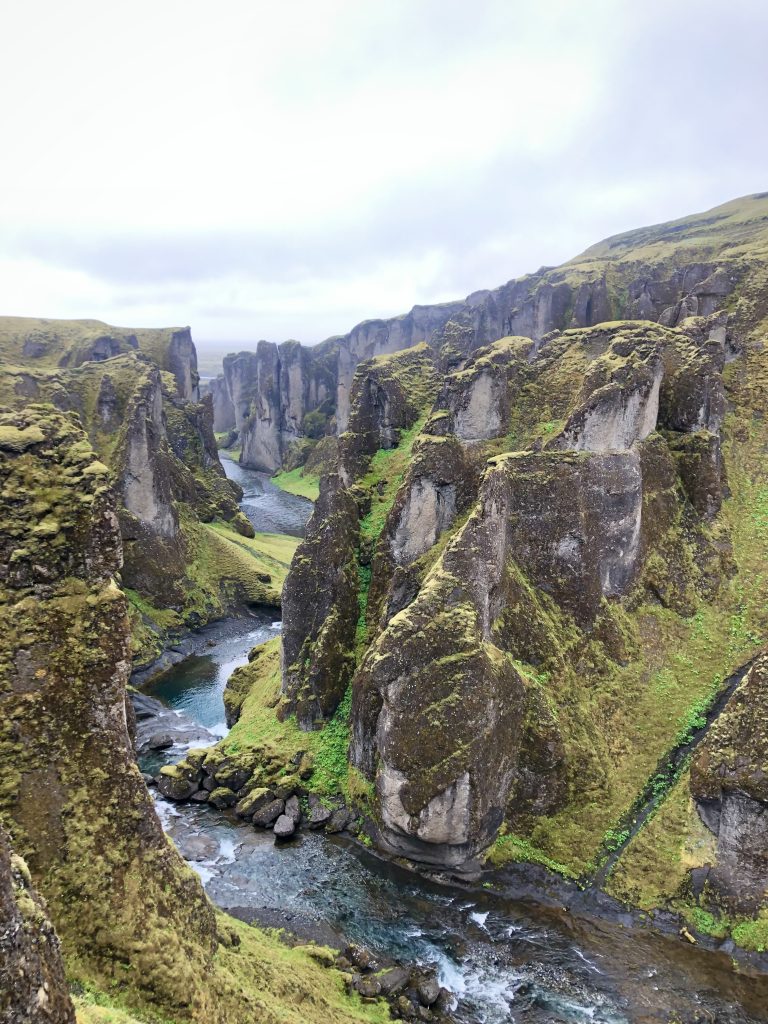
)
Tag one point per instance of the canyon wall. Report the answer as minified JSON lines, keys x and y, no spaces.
{"x":266,"y":395}
{"x":537,"y":566}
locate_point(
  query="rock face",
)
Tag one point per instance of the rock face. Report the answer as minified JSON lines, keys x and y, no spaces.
{"x":274,"y":396}
{"x":320,"y":609}
{"x":64,"y":738}
{"x":607,"y":282}
{"x":729,"y":783}
{"x":33,"y":988}
{"x":143,"y":416}
{"x":132,"y":917}
{"x":488,"y":567}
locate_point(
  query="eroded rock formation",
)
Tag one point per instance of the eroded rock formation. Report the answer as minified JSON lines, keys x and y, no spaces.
{"x":33,"y":988}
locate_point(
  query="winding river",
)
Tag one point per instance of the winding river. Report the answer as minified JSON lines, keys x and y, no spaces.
{"x":506,"y":961}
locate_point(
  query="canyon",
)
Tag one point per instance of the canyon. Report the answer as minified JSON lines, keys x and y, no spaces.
{"x":523,"y":632}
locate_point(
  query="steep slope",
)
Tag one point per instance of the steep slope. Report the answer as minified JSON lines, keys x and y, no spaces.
{"x":136,"y":394}
{"x":662,"y":273}
{"x":132,"y":917}
{"x":557,"y":551}
{"x":33,"y":989}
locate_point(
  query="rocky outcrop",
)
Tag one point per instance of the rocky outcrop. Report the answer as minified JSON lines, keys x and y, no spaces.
{"x":141,"y":412}
{"x":382,"y":337}
{"x":146,"y":483}
{"x":390,"y":395}
{"x":223,"y":406}
{"x":275,"y":396}
{"x":606,"y":283}
{"x":320,"y":609}
{"x":582,"y":511}
{"x":33,"y":986}
{"x":181,"y":361}
{"x":64,"y":741}
{"x":729,"y":783}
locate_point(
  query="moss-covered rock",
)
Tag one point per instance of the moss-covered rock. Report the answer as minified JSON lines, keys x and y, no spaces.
{"x":33,"y":988}
{"x":132,"y":917}
{"x":321,"y":609}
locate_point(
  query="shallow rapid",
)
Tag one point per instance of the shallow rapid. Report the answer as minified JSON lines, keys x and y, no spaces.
{"x":504,"y":960}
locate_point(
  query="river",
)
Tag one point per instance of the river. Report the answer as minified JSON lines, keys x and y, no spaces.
{"x":506,"y":961}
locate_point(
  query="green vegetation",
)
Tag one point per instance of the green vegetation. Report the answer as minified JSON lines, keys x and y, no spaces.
{"x":298,"y":481}
{"x":510,"y":848}
{"x":331,"y":766}
{"x":386,"y":471}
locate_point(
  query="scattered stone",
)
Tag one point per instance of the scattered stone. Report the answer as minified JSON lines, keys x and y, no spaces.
{"x":178,"y":781}
{"x":362,"y":958}
{"x":222,"y":797}
{"x":200,"y":797}
{"x":394,"y":980}
{"x":285,"y":787}
{"x":404,"y":1007}
{"x":293,"y":809}
{"x":445,"y":1001}
{"x":149,"y":780}
{"x":428,"y":989}
{"x":271,"y":812}
{"x":196,"y":757}
{"x":209,"y":783}
{"x":319,"y":814}
{"x":340,"y":820}
{"x":253,"y":802}
{"x":159,"y":741}
{"x":368,"y":986}
{"x":285,"y":826}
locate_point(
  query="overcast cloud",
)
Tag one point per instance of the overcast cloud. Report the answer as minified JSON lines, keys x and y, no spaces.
{"x":287,"y":169}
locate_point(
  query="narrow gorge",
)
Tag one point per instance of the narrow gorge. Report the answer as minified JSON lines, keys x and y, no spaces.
{"x":478,"y":733}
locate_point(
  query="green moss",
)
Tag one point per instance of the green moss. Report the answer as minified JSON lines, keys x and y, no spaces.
{"x":510,"y":848}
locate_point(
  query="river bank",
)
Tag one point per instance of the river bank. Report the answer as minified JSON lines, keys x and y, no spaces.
{"x":511,"y":951}
{"x":514,"y":944}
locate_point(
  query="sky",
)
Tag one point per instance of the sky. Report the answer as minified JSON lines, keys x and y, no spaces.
{"x":285,"y":170}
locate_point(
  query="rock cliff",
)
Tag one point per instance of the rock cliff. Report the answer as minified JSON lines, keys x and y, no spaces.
{"x":133,"y":919}
{"x":558,"y":540}
{"x":634,"y":276}
{"x":137,"y":396}
{"x":33,"y":989}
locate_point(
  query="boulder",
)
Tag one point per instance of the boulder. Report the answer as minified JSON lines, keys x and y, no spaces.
{"x":222,"y":797}
{"x":394,"y":980}
{"x":178,"y":781}
{"x":340,"y":819}
{"x":253,"y":802}
{"x":269,"y":813}
{"x":293,"y":809}
{"x":285,"y":826}
{"x":428,"y":989}
{"x":318,"y":816}
{"x":369,"y":986}
{"x":159,"y":741}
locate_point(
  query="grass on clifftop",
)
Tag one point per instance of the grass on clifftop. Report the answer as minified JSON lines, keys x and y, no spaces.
{"x":296,"y":481}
